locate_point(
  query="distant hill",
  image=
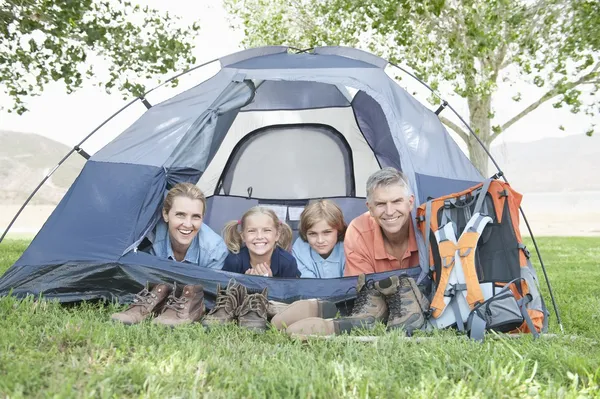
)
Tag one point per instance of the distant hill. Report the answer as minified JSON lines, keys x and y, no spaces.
{"x":570,"y":163}
{"x":24,"y":161}
{"x":554,"y":164}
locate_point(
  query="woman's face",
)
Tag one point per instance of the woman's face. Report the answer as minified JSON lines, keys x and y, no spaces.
{"x":322,"y":238}
{"x":184,"y":220}
{"x":260,"y":234}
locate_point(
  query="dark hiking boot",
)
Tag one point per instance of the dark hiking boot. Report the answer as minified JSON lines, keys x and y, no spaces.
{"x":252,"y":313}
{"x":145,"y":304}
{"x":186,"y":308}
{"x":319,"y":326}
{"x":369,"y":301}
{"x":407,"y":305}
{"x":226,"y":305}
{"x":303,"y":309}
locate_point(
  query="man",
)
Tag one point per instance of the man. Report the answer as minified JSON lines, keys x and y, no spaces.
{"x":383,"y":238}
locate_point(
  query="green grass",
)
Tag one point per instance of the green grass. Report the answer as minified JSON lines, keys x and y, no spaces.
{"x":75,"y":351}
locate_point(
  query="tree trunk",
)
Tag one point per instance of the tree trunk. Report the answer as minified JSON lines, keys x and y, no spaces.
{"x":480,"y":110}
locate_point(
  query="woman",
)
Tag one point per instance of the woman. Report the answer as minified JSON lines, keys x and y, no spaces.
{"x":182,"y":237}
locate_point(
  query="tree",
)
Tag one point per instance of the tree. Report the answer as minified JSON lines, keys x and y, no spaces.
{"x":70,"y":40}
{"x":472,"y":45}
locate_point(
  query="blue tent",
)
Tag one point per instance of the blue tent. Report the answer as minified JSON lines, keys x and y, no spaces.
{"x":272,"y":127}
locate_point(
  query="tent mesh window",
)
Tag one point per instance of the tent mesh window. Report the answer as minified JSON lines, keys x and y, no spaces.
{"x":290,"y":162}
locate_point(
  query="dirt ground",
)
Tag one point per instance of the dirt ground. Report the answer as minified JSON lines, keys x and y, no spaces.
{"x":542,"y":223}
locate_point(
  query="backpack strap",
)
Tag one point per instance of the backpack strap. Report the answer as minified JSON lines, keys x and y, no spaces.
{"x":447,"y":250}
{"x":427,"y":233}
{"x":481,"y":196}
{"x":467,"y":245}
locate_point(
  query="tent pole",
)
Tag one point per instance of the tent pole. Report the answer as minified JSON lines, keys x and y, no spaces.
{"x":78,"y":149}
{"x":500,"y":174}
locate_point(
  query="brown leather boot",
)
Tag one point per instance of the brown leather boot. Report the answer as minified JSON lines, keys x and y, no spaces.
{"x":252,"y":313}
{"x":226,"y":305}
{"x":183,"y":309}
{"x":145,"y":304}
{"x":369,"y":301}
{"x":303,"y":309}
{"x":406,"y":303}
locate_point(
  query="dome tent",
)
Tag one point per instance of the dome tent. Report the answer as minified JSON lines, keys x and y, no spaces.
{"x":271,"y":128}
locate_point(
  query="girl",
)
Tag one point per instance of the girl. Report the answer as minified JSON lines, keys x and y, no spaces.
{"x":319,"y":250}
{"x":265,"y":242}
{"x":182,"y":237}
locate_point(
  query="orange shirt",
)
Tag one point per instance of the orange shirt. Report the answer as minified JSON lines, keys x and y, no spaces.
{"x":365,"y":252}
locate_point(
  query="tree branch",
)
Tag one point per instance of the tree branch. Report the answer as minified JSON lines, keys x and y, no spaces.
{"x":547,"y":96}
{"x":462,"y":134}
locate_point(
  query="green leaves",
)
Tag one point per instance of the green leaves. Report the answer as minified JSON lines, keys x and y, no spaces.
{"x":63,"y":40}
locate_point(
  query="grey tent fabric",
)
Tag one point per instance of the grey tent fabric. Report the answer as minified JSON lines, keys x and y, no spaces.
{"x":352,"y":53}
{"x":193,"y":151}
{"x":153,"y":137}
{"x":251,"y":53}
{"x":300,"y":61}
{"x":280,"y":95}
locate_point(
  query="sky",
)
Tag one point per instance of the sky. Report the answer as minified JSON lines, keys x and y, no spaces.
{"x":69,"y":118}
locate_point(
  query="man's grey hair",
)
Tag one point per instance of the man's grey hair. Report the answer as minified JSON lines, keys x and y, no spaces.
{"x":386,"y":177}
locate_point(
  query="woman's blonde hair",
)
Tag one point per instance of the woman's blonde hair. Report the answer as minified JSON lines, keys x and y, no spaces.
{"x":232,"y":230}
{"x":188,"y":190}
{"x":326,"y":210}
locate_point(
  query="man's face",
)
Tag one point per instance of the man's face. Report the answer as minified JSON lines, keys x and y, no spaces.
{"x":390,"y":206}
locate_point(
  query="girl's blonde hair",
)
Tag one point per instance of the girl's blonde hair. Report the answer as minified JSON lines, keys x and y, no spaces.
{"x":232,"y":230}
{"x":188,"y":190}
{"x":326,"y":210}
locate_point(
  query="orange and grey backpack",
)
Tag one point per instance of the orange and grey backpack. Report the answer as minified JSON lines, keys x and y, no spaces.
{"x":481,"y":272}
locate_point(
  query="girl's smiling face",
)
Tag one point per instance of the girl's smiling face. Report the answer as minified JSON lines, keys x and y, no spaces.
{"x":260,"y":234}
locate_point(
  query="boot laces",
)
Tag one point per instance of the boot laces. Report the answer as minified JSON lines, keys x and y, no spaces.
{"x":225,"y":301}
{"x":395,"y":305}
{"x":362,"y":299}
{"x":143,"y":298}
{"x":254,"y":303}
{"x":177,"y":304}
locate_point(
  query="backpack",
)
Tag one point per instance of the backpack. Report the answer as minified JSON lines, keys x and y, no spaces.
{"x":481,"y":272}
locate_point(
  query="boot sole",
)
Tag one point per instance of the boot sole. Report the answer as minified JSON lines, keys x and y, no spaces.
{"x":309,"y":308}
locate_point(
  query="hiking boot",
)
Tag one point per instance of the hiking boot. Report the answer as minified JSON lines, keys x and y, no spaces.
{"x":275,"y":308}
{"x":186,"y":308}
{"x":303,"y":309}
{"x":145,"y":304}
{"x":226,"y":304}
{"x":369,"y":301}
{"x":252,"y":313}
{"x":407,"y":305}
{"x":319,"y":326}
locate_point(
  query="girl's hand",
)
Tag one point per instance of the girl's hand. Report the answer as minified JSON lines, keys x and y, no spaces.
{"x":262,"y":269}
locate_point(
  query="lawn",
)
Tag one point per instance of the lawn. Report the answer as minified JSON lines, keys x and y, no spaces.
{"x":75,"y":351}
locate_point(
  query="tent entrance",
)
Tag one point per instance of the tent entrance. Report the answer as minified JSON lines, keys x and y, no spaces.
{"x":290,"y":161}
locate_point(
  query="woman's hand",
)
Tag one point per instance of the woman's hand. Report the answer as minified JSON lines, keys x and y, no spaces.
{"x":261,"y":269}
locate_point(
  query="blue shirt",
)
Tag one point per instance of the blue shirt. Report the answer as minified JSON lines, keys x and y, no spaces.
{"x":206,"y":250}
{"x":283,"y":263}
{"x":312,"y":265}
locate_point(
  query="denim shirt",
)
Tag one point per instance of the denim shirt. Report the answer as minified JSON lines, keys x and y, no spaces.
{"x":312,"y":265}
{"x":206,"y":250}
